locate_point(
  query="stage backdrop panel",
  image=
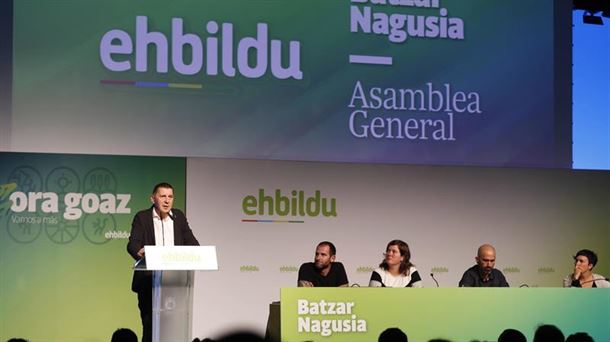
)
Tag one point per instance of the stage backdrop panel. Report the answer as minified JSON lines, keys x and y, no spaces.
{"x":64,"y":224}
{"x":443,"y":82}
{"x":266,"y":218}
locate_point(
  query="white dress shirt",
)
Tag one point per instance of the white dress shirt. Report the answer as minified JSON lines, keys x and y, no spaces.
{"x":164,"y":230}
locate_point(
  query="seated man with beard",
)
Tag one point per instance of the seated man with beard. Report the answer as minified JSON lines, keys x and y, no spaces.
{"x":324,"y":271}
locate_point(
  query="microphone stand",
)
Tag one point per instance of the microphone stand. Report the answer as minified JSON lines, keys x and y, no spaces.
{"x":432,"y":275}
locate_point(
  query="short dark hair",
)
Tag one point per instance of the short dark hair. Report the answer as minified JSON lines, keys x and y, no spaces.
{"x":124,"y":335}
{"x":511,"y":335}
{"x":548,"y":333}
{"x":579,"y":337}
{"x":393,"y":335}
{"x":330,"y":245}
{"x":162,"y":185}
{"x":589,"y":254}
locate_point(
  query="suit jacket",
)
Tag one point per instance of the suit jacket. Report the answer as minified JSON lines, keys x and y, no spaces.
{"x":143,"y":234}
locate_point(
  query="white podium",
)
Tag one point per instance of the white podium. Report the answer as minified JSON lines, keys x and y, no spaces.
{"x":173,"y":280}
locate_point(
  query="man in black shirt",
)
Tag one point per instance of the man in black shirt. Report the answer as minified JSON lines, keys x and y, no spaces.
{"x":483,"y":274}
{"x":324,"y":271}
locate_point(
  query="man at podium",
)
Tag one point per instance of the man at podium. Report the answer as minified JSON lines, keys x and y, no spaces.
{"x":160,"y":225}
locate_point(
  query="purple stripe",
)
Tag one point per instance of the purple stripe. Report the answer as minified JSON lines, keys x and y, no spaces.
{"x":151,"y":84}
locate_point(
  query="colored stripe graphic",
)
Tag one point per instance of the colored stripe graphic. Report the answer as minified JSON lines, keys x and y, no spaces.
{"x":144,"y":84}
{"x":271,"y":221}
{"x":118,"y":82}
{"x":186,"y":85}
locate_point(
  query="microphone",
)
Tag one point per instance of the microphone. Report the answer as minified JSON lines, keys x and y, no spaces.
{"x":592,"y":280}
{"x":432,"y":275}
{"x":171,"y":216}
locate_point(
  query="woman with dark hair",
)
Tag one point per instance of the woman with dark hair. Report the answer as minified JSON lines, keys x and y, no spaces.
{"x":396,"y":269}
{"x":583,"y":275}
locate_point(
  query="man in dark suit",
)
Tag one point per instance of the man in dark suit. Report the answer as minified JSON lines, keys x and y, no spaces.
{"x":160,"y":225}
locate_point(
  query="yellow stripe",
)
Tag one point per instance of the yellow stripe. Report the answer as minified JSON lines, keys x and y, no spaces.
{"x":185,"y":85}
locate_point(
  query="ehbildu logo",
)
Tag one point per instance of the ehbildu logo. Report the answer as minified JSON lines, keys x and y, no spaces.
{"x":211,"y":56}
{"x":297,"y":203}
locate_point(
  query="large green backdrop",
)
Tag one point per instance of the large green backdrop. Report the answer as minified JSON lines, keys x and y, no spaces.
{"x":65,"y":277}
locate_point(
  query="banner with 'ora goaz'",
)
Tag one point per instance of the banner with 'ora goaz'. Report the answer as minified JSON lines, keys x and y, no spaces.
{"x":64,"y":225}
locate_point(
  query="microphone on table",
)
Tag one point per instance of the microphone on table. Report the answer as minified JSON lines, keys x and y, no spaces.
{"x":594,"y":279}
{"x":171,"y":216}
{"x":432,"y":275}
